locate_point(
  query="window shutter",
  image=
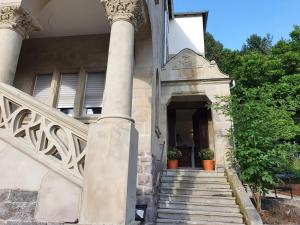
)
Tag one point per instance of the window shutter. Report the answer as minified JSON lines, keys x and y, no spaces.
{"x":42,"y":87}
{"x":67,"y":90}
{"x":94,"y":90}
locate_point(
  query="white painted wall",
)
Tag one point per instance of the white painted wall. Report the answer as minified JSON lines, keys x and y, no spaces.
{"x":186,"y":32}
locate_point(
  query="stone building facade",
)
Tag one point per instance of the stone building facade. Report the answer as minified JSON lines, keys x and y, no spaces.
{"x":119,"y":69}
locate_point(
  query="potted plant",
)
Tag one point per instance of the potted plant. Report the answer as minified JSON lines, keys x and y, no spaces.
{"x":207,"y":156}
{"x":173,"y":155}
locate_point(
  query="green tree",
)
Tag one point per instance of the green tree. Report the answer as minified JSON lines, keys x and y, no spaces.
{"x":225,"y":58}
{"x":213,"y":48}
{"x":258,"y":43}
{"x":264,"y":106}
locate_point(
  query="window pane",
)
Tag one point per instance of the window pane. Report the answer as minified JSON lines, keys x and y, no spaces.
{"x":67,"y":92}
{"x":94,"y":93}
{"x":42,"y":86}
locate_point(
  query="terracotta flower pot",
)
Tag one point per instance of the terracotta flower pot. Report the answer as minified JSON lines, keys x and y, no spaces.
{"x":172,"y":164}
{"x":208,"y":164}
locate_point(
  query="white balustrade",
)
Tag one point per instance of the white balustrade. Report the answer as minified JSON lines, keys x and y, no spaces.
{"x":50,"y":134}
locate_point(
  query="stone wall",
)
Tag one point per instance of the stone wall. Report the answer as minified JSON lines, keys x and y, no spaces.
{"x":145,"y":105}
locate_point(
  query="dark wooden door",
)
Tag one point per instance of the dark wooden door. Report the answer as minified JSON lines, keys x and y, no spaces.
{"x":172,"y":127}
{"x":200,"y":133}
{"x":186,"y":159}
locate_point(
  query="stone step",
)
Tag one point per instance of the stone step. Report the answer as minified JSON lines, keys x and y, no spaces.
{"x":201,"y":185}
{"x":192,"y":173}
{"x":198,"y":206}
{"x":196,"y":192}
{"x":200,"y":216}
{"x":197,"y":199}
{"x":186,"y":222}
{"x":166,"y":178}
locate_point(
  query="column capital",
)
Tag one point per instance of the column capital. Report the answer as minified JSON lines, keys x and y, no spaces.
{"x":132,"y":11}
{"x":18,"y":19}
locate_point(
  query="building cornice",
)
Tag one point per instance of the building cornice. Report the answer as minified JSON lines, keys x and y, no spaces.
{"x":18,"y":19}
{"x":132,"y":11}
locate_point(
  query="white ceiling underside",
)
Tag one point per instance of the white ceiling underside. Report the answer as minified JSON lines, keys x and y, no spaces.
{"x":72,"y":17}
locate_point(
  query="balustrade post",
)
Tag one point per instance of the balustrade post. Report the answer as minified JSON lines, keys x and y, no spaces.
{"x":109,"y":192}
{"x":15,"y":25}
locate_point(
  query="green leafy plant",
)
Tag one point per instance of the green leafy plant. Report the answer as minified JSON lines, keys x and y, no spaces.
{"x":263,"y":106}
{"x":207,"y":154}
{"x":174,"y":153}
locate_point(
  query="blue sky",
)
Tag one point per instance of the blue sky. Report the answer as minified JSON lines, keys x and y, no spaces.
{"x":232,"y":21}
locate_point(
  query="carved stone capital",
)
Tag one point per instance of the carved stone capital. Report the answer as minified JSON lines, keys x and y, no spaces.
{"x":16,"y":18}
{"x":132,"y":11}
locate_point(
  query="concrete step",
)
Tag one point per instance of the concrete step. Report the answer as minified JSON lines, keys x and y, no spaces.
{"x":186,"y":222}
{"x":191,"y":184}
{"x":193,"y":173}
{"x":197,"y":199}
{"x":200,"y":216}
{"x":196,"y":192}
{"x":198,"y":206}
{"x":166,"y":178}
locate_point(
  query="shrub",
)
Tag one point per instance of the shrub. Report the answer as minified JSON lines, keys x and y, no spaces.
{"x":174,"y":153}
{"x":207,"y":154}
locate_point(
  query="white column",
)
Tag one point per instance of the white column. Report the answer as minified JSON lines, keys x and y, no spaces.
{"x":10,"y":47}
{"x":15,"y":25}
{"x":118,"y":86}
{"x":109,"y":189}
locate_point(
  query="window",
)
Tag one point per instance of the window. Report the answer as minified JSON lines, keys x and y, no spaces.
{"x":94,"y":93}
{"x":75,"y":94}
{"x":67,"y":93}
{"x":42,"y":87}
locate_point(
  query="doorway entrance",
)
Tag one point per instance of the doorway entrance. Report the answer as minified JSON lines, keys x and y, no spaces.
{"x":189,"y":129}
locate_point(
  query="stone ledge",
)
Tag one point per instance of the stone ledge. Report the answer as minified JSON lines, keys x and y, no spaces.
{"x":247,"y":209}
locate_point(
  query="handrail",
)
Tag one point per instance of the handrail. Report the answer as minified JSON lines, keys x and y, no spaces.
{"x":46,"y":132}
{"x":160,"y":170}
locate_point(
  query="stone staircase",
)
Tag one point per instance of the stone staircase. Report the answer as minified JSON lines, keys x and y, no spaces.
{"x":196,"y":197}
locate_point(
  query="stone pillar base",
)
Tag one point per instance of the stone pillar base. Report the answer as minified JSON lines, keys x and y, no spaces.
{"x":109,"y":195}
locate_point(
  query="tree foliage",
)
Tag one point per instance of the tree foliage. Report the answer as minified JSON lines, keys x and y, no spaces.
{"x":264,"y":106}
{"x":258,"y":44}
